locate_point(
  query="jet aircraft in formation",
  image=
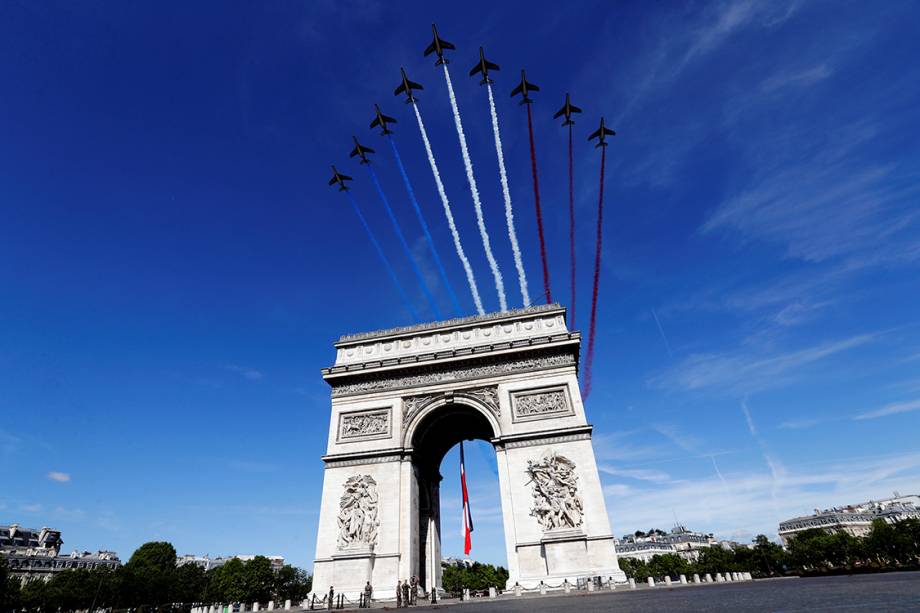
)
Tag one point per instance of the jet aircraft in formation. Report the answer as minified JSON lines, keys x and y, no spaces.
{"x":483,"y":67}
{"x":567,"y":109}
{"x":438,"y":45}
{"x":601,"y":135}
{"x":524,"y":88}
{"x":360,"y":151}
{"x":382,"y":120}
{"x":406,"y":86}
{"x":339,"y":178}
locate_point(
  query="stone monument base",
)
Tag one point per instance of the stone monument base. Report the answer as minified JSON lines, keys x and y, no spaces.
{"x":566,"y":555}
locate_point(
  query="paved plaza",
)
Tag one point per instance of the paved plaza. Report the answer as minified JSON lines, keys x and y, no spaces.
{"x":887,"y":592}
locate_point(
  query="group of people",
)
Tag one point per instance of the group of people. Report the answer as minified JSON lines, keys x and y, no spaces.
{"x":407,"y":592}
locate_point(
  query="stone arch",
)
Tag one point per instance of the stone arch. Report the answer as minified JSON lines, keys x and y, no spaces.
{"x":419,"y":410}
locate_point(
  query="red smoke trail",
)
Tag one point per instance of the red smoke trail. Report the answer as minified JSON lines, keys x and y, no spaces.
{"x":572,"y":227}
{"x":589,"y":359}
{"x":536,"y":194}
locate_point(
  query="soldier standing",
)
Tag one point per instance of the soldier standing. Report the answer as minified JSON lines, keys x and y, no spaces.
{"x":368,"y":593}
{"x":329,"y":604}
{"x":398,"y":594}
{"x":413,"y":590}
{"x":405,"y":593}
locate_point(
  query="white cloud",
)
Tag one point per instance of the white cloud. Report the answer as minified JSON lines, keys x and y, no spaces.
{"x":744,"y":502}
{"x":249,"y":374}
{"x":59,"y":476}
{"x":891,"y":409}
{"x":640,"y":474}
{"x":750,"y":369}
{"x":800,"y":78}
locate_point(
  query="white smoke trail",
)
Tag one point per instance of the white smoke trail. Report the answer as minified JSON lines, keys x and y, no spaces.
{"x":477,"y":205}
{"x":450,"y":216}
{"x":509,"y":214}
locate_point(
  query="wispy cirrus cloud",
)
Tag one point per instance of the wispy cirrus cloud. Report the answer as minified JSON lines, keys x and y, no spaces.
{"x":750,"y":369}
{"x":250,"y":374}
{"x":796,"y":78}
{"x":59,"y":477}
{"x":894,"y":408}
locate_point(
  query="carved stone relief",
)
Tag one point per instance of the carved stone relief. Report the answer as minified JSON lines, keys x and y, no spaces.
{"x":488,"y":396}
{"x":556,"y":502}
{"x":362,"y":425}
{"x":358,"y":513}
{"x":541,"y":404}
{"x":450,"y":374}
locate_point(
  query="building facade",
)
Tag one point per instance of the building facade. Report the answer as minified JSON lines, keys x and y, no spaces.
{"x":854,"y":519}
{"x":36,"y":554}
{"x":686,"y":543}
{"x":207,"y":563}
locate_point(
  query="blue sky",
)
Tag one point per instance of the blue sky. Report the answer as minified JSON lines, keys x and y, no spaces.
{"x":174,"y":268}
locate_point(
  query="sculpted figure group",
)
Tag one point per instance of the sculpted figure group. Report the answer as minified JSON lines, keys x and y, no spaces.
{"x":557,"y":504}
{"x":358,"y":513}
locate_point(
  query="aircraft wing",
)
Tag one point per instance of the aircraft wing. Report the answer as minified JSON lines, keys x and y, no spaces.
{"x":491,"y":66}
{"x":357,"y":151}
{"x":517,"y":90}
{"x":333,"y":180}
{"x":447,"y":45}
{"x":415,"y":85}
{"x":574,"y":109}
{"x":389,"y":119}
{"x":346,"y":178}
{"x":559,"y":113}
{"x":400,"y":89}
{"x":375,"y":123}
{"x":430,"y":48}
{"x":532,"y":87}
{"x":476,"y":68}
{"x":609,"y":131}
{"x":595,"y":135}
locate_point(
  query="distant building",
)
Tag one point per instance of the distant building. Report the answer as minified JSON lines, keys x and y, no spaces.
{"x":36,"y":554}
{"x":458,"y":562}
{"x":686,"y":543}
{"x":207,"y":563}
{"x":854,"y":519}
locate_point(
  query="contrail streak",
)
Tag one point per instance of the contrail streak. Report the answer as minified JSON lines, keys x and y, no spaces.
{"x":477,"y":205}
{"x":470,"y":277}
{"x":536,"y":195}
{"x":405,"y":245}
{"x":592,"y":326}
{"x":506,"y":193}
{"x":421,"y":219}
{"x":572,"y":225}
{"x":383,"y":257}
{"x":663,"y":337}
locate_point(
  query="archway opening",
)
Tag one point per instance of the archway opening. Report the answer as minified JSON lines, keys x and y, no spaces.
{"x":436,"y":438}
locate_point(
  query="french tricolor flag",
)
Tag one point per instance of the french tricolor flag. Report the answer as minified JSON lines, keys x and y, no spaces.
{"x":467,"y":516}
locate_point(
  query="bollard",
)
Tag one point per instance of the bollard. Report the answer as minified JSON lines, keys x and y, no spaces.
{"x":729,"y":577}
{"x":651,"y":582}
{"x":591,"y":584}
{"x":255,"y":607}
{"x":517,"y":589}
{"x":696,"y":577}
{"x":493,"y":592}
{"x":748,"y":576}
{"x":466,"y":593}
{"x":542,"y":589}
{"x":271,"y":605}
{"x":287,"y":605}
{"x":632,"y":583}
{"x":667,"y":580}
{"x":720,"y":578}
{"x":708,"y":578}
{"x":567,"y":586}
{"x":683,"y":579}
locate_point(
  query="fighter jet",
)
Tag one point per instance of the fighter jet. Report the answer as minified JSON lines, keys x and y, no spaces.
{"x":382,"y":121}
{"x":438,"y":46}
{"x":602,"y":133}
{"x":567,"y":109}
{"x":484,"y":66}
{"x":406,"y":86}
{"x":360,"y":151}
{"x":339,"y":178}
{"x":524,"y":88}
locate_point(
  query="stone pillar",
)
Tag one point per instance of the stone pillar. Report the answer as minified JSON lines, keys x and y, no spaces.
{"x":651,"y":582}
{"x":567,"y":586}
{"x":255,"y":607}
{"x":720,"y":578}
{"x":492,"y":592}
{"x":667,"y":580}
{"x":748,"y":576}
{"x":590,"y":584}
{"x":612,"y":584}
{"x":632,"y":583}
{"x":542,"y":589}
{"x":707,"y":578}
{"x":683,"y":579}
{"x":696,"y":577}
{"x":287,"y":605}
{"x":517,"y":589}
{"x":271,"y":605}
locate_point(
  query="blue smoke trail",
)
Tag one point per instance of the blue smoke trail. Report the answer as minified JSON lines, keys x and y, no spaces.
{"x":405,"y":245}
{"x":383,"y":257}
{"x":421,"y":220}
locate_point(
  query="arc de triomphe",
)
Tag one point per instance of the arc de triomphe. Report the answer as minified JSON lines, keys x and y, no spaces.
{"x":402,"y":398}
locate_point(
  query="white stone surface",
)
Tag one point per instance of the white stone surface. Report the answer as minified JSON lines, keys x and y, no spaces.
{"x":524,"y":360}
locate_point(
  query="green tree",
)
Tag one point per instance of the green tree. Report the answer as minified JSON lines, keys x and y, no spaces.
{"x":149,"y":577}
{"x":292,"y":584}
{"x":227,"y":583}
{"x":10,"y":589}
{"x":635,"y":569}
{"x":259,"y":579}
{"x":768,"y":558}
{"x":668,"y":565}
{"x":190,"y":584}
